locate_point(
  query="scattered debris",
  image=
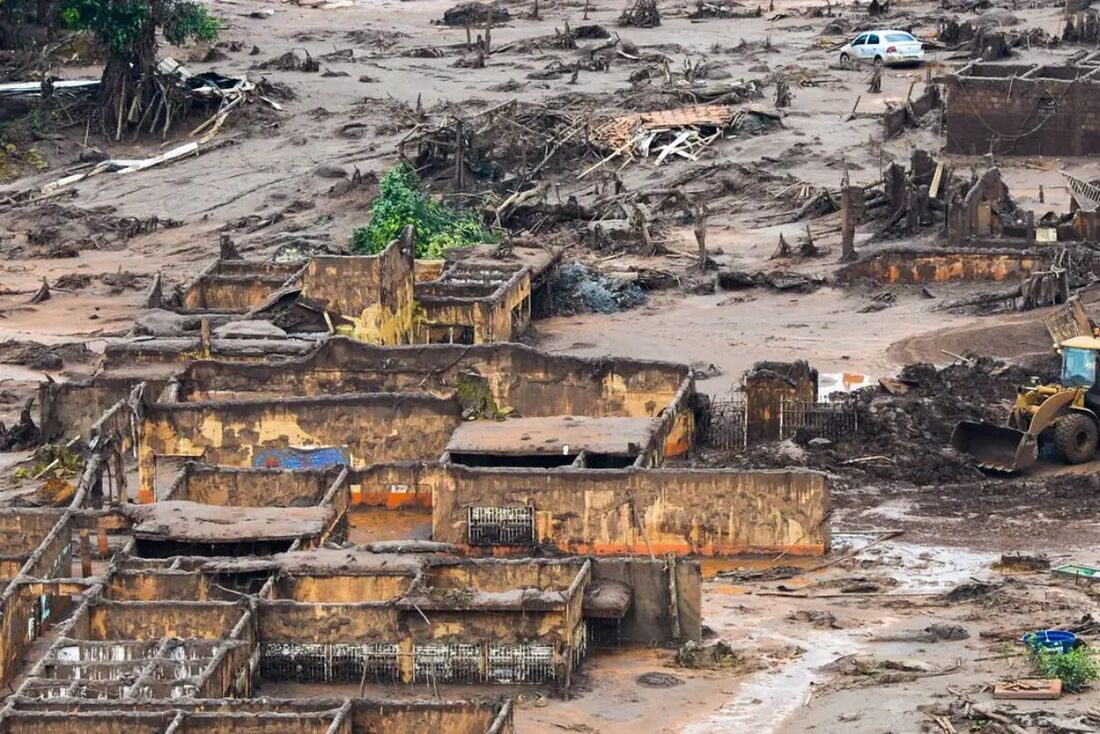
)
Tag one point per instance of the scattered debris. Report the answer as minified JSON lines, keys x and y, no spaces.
{"x":641,"y":14}
{"x":932,"y":633}
{"x":52,"y":461}
{"x":1028,"y":689}
{"x":1021,"y":562}
{"x":659,"y":680}
{"x":292,"y":60}
{"x":576,"y":289}
{"x":715,"y":656}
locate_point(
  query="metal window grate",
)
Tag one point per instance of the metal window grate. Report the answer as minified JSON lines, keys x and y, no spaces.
{"x":447,"y":663}
{"x":833,"y":421}
{"x":604,"y":632}
{"x":329,"y":663}
{"x":722,"y":425}
{"x":521,"y":663}
{"x":501,"y":525}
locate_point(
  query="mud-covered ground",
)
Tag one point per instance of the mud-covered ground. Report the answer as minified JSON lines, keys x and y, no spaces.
{"x":386,"y":69}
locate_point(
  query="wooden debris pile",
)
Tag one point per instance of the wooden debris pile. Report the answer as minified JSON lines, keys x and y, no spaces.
{"x":724,"y":92}
{"x":965,"y":714}
{"x":704,"y":9}
{"x":508,"y":145}
{"x":683,"y":132}
{"x":641,"y":14}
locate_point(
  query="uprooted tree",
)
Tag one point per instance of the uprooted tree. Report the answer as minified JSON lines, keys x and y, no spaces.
{"x":130,"y":90}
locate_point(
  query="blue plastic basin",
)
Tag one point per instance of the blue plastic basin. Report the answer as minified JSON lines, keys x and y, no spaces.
{"x":1060,"y":640}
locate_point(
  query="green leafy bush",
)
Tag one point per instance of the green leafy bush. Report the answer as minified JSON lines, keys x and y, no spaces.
{"x":1076,"y":668}
{"x":401,"y":202}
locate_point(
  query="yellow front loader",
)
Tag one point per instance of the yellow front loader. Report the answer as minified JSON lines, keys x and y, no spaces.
{"x":1064,"y":414}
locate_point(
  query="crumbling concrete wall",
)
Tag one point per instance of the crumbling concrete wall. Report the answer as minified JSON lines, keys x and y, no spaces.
{"x":65,"y":722}
{"x":48,"y":536}
{"x":142,"y":585}
{"x":323,"y":623}
{"x":714,"y":513}
{"x":976,"y":215}
{"x":536,"y":384}
{"x":444,"y":312}
{"x":467,"y":717}
{"x":374,"y":293}
{"x":234,"y":285}
{"x":425,"y":270}
{"x":477,"y":715}
{"x":767,"y":385}
{"x":650,"y":618}
{"x":235,"y":293}
{"x":998,"y":109}
{"x":908,"y":266}
{"x":257,"y":487}
{"x":405,"y":484}
{"x":366,"y":428}
{"x":895,"y":119}
{"x":70,"y":409}
{"x":343,"y":588}
{"x":154,"y":620}
{"x":675,"y":432}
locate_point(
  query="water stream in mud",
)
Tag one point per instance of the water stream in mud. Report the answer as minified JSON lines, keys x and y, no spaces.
{"x":764,"y":700}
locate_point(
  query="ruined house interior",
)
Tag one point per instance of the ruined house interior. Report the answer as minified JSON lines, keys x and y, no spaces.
{"x":494,"y":367}
{"x":515,"y":505}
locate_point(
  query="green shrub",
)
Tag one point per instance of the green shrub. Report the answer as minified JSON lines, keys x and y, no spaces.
{"x":401,"y":202}
{"x":1076,"y":668}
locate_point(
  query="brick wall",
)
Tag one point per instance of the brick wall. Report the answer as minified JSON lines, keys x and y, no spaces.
{"x":1010,"y":114}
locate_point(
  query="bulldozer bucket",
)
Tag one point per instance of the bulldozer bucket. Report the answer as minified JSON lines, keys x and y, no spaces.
{"x":995,"y":447}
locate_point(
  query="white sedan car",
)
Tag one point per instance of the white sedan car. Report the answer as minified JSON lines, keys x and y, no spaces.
{"x":883,"y":47}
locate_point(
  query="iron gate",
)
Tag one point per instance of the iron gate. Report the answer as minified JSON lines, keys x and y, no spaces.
{"x":723,"y":425}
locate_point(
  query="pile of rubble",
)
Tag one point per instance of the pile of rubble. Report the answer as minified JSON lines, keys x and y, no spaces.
{"x":904,"y":425}
{"x":576,"y":289}
{"x":506,"y":146}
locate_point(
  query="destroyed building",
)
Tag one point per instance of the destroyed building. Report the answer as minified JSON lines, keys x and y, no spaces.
{"x":559,"y":440}
{"x":226,"y":474}
{"x":1024,"y":109}
{"x":389,"y":298}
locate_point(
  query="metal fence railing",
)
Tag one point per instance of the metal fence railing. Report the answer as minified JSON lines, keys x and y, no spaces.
{"x":833,"y":421}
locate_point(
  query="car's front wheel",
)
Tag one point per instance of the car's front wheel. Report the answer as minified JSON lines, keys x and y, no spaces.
{"x":845,"y":60}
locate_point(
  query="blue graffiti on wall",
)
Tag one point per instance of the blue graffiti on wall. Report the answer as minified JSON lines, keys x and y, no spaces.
{"x":297,"y":458}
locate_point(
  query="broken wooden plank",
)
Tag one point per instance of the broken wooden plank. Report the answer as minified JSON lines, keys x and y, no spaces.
{"x":1029,"y":689}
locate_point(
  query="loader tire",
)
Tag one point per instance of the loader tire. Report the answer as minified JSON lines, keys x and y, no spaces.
{"x":1075,"y":438}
